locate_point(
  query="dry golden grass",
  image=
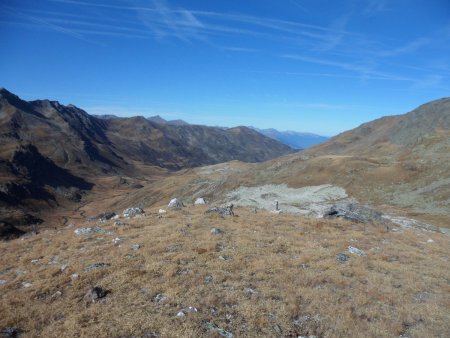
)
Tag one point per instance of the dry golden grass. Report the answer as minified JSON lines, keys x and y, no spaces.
{"x":277,"y":269}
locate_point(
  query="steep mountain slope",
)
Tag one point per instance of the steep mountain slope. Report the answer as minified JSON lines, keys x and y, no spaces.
{"x":393,"y":135}
{"x":293,"y":139}
{"x":176,"y":147}
{"x":51,"y":154}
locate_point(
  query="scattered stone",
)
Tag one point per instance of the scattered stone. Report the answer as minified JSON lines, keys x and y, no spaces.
{"x":175,"y":203}
{"x":83,"y":231}
{"x":250,"y":291}
{"x":26,"y":285}
{"x":54,"y":260}
{"x":430,"y":241}
{"x":220,"y":247}
{"x":217,"y":231}
{"x":150,"y":334}
{"x":64,"y":267}
{"x":135,"y":247}
{"x":11,"y":332}
{"x":214,"y":328}
{"x":35,"y":261}
{"x":277,"y":329}
{"x":102,"y":217}
{"x":119,"y":224}
{"x":3,"y":281}
{"x":131,"y":212}
{"x":225,"y":258}
{"x":208,"y":279}
{"x":161,"y":211}
{"x":89,"y":231}
{"x":95,"y":294}
{"x":423,"y":296}
{"x":117,"y":240}
{"x":356,"y":251}
{"x":185,"y":311}
{"x":173,"y":248}
{"x":159,"y":298}
{"x":200,"y":201}
{"x":342,"y":258}
{"x":227,"y":211}
{"x":56,"y":295}
{"x":74,"y":276}
{"x":276,"y":212}
{"x":96,"y":266}
{"x":70,"y":225}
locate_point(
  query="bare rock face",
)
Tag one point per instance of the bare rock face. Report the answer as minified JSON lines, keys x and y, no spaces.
{"x":9,"y":231}
{"x":355,"y":212}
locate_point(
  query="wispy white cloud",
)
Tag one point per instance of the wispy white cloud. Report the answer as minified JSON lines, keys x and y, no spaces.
{"x":365,"y":71}
{"x":407,"y":48}
{"x":240,"y":49}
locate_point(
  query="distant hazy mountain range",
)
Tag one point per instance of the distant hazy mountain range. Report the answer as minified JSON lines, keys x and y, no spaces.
{"x":156,"y":118}
{"x":293,"y":139}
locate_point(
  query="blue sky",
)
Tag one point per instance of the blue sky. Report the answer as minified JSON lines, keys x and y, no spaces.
{"x":304,"y":65}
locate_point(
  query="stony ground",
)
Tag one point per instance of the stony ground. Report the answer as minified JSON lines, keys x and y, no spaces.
{"x":186,"y":273}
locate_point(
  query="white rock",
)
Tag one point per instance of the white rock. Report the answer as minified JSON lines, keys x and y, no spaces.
{"x":161,"y":211}
{"x":131,"y":212}
{"x":83,"y":231}
{"x":356,"y":251}
{"x":187,"y":310}
{"x":118,"y":239}
{"x":26,"y":285}
{"x":200,"y":201}
{"x":430,"y":241}
{"x":57,"y":294}
{"x":3,"y":282}
{"x":175,"y":203}
{"x":74,"y":276}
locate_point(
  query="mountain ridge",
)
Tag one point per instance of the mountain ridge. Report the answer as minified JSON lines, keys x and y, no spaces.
{"x":68,"y":139}
{"x":294,"y":139}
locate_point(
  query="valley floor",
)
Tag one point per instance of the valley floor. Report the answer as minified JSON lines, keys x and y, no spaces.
{"x":262,"y":275}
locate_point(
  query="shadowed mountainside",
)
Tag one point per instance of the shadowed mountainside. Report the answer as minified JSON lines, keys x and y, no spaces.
{"x":47,"y":149}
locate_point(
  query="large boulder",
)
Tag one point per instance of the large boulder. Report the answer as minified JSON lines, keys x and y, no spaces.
{"x":175,"y":203}
{"x":131,"y":212}
{"x":200,"y":201}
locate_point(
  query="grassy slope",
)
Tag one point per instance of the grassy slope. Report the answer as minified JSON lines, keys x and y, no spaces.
{"x":288,"y":260}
